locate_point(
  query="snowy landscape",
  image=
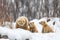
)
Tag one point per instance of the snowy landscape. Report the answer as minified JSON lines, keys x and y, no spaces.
{"x":35,"y":11}
{"x":21,"y":34}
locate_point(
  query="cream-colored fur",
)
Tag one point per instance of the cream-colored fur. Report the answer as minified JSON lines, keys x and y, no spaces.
{"x":32,"y":27}
{"x":22,"y":22}
{"x":46,"y":28}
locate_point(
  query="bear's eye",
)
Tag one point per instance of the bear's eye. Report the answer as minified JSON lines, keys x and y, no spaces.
{"x":19,"y":22}
{"x":29,"y":24}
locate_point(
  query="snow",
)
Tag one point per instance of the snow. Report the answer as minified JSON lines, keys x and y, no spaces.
{"x":4,"y":39}
{"x":21,"y":34}
{"x":14,"y":25}
{"x":57,"y":24}
{"x":13,"y":34}
{"x":43,"y":19}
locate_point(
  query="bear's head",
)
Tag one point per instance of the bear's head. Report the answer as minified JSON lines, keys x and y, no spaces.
{"x":31,"y":25}
{"x":22,"y":21}
{"x":43,"y":23}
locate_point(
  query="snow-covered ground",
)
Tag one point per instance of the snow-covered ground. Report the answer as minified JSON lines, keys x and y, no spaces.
{"x":21,"y":34}
{"x":4,"y":39}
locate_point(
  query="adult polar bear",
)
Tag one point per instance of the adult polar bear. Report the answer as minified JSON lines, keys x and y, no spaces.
{"x":22,"y":22}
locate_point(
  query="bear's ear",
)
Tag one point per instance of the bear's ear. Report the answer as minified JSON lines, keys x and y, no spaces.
{"x":42,"y":22}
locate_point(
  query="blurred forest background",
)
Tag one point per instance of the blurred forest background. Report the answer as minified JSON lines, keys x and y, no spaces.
{"x":11,"y":9}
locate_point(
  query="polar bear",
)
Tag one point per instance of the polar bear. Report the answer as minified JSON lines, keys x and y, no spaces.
{"x":22,"y":22}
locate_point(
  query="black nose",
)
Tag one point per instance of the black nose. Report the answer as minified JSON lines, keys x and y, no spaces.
{"x":27,"y":39}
